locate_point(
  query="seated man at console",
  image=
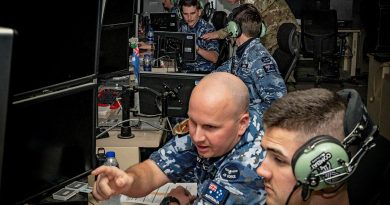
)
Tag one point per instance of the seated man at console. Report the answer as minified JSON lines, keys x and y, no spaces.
{"x":306,"y":161}
{"x":252,"y":62}
{"x":221,"y":152}
{"x":207,"y":50}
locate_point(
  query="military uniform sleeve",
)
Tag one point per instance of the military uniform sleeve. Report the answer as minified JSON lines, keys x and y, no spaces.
{"x":211,"y":45}
{"x":268,"y":81}
{"x":222,"y":33}
{"x":176,"y":158}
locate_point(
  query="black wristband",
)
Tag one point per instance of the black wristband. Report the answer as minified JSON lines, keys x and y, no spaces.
{"x":169,"y":199}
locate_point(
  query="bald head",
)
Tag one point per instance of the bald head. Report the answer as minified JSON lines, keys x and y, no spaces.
{"x":224,"y":89}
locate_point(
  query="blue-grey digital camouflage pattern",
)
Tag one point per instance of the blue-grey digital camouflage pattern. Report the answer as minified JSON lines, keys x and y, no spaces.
{"x":235,"y":171}
{"x":200,"y":28}
{"x":260,"y":73}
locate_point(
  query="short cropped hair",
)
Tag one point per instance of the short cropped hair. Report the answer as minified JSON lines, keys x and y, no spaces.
{"x":189,"y":3}
{"x":310,"y":113}
{"x":249,"y":19}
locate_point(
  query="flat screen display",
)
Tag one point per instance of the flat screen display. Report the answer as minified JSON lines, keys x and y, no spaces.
{"x":49,"y":142}
{"x":175,"y":45}
{"x":56,"y":41}
{"x":181,"y":84}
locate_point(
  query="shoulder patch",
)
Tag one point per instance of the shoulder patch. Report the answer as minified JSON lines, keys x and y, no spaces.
{"x":266,"y":59}
{"x":230,"y":172}
{"x":269,"y":68}
{"x":215,"y":193}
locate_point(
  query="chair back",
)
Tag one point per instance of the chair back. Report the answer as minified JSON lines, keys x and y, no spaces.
{"x":319,"y":33}
{"x":219,"y":21}
{"x":287,"y":53}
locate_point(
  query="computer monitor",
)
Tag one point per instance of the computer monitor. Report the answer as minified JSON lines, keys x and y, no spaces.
{"x":344,"y":8}
{"x":49,"y":142}
{"x":6,"y":42}
{"x":181,"y":84}
{"x":164,"y":21}
{"x":119,"y":11}
{"x":175,"y":45}
{"x":55,"y":41}
{"x":114,"y":52}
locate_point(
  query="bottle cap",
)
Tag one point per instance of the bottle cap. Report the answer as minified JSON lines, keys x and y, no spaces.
{"x":110,"y":154}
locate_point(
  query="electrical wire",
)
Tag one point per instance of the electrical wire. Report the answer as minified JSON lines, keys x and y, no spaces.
{"x":128,"y":120}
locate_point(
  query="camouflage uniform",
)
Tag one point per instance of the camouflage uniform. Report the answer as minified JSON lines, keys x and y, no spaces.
{"x":200,"y":28}
{"x":259,"y":71}
{"x":274,"y":13}
{"x":235,"y":171}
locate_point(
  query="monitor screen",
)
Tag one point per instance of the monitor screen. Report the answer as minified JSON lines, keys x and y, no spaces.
{"x":181,"y":84}
{"x":55,"y":41}
{"x":344,"y":9}
{"x":114,"y":51}
{"x":175,"y":45}
{"x":6,"y":41}
{"x":49,"y":142}
{"x":164,"y":21}
{"x":119,"y":11}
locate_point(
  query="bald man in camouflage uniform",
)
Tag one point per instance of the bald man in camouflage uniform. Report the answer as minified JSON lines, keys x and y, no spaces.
{"x":220,"y":153}
{"x":253,"y":63}
{"x":274,"y":13}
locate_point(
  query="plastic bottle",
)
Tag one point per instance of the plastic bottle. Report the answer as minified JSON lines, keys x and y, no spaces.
{"x":147,"y":62}
{"x":111,"y":160}
{"x":150,"y":36}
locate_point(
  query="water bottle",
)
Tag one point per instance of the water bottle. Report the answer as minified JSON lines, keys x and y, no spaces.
{"x":111,"y":160}
{"x":150,"y":36}
{"x":147,"y":62}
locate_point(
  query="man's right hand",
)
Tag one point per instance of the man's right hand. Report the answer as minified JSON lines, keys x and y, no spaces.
{"x":111,"y":181}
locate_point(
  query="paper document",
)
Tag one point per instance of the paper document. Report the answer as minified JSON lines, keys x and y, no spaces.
{"x":157,"y":195}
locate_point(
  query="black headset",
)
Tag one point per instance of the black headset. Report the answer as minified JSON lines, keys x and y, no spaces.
{"x":234,"y":27}
{"x":325,"y":162}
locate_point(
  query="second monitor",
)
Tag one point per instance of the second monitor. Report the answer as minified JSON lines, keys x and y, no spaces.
{"x":179,"y":85}
{"x":175,"y":45}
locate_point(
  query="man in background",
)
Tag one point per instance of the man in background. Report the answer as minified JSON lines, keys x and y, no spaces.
{"x":252,"y":63}
{"x":206,"y":50}
{"x":273,"y":12}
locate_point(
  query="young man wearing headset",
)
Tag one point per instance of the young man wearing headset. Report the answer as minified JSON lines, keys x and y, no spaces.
{"x":273,"y":13}
{"x":251,"y":61}
{"x":308,"y":153}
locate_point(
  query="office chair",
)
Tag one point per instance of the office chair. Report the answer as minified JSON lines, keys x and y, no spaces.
{"x":287,"y":53}
{"x":319,"y":39}
{"x":219,"y":21}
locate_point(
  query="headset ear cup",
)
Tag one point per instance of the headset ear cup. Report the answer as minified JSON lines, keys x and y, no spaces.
{"x":313,"y":159}
{"x":233,"y":29}
{"x":263,"y":29}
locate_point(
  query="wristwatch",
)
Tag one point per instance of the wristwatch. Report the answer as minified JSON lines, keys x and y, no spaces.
{"x":170,"y":199}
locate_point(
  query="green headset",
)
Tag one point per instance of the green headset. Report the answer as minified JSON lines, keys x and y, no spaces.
{"x":234,"y":28}
{"x":324,"y":162}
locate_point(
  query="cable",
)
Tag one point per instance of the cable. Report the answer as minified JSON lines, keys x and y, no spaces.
{"x":137,"y":120}
{"x":298,"y":184}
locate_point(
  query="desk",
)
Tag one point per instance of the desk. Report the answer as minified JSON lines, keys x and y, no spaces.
{"x":128,"y":150}
{"x":352,"y":58}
